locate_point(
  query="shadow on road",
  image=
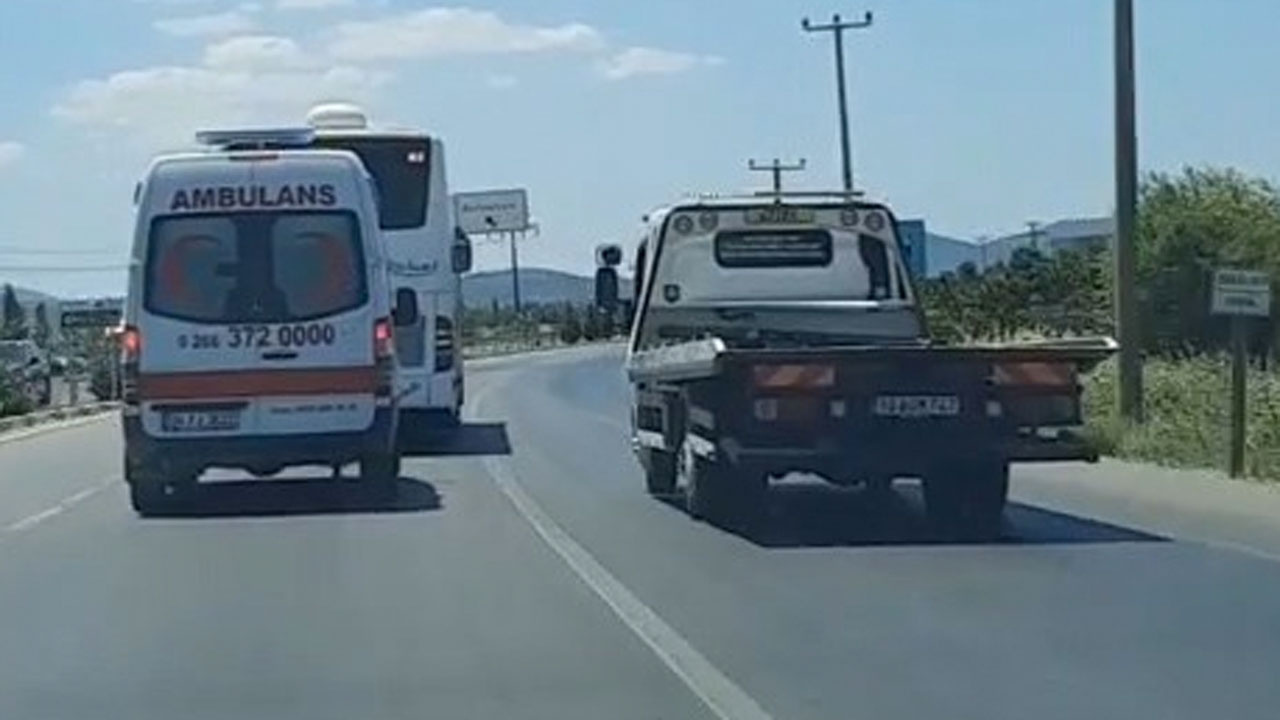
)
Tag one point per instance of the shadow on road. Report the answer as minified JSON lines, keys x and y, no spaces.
{"x":309,"y":496}
{"x":819,"y":515}
{"x":466,"y":439}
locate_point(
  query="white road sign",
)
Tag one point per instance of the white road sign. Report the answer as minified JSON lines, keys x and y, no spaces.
{"x":1241,"y":292}
{"x":90,"y":313}
{"x":490,"y":211}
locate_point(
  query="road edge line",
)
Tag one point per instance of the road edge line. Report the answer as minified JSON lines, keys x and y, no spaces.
{"x":720,"y":694}
{"x":43,"y":428}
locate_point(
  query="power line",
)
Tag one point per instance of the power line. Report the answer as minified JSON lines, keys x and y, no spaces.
{"x":62,"y":268}
{"x":28,"y":250}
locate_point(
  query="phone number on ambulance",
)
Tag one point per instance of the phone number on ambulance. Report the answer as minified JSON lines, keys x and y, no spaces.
{"x":262,"y":336}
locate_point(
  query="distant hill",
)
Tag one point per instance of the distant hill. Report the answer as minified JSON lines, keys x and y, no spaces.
{"x":537,"y":285}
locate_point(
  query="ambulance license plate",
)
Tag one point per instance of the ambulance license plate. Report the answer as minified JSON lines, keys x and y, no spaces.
{"x":916,"y":406}
{"x":195,"y":421}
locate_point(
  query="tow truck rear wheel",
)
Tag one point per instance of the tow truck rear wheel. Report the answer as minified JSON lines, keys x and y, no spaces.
{"x":723,"y":493}
{"x":660,"y":473}
{"x":968,"y":503}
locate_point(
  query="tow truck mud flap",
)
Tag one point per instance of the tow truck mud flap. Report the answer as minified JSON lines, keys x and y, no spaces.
{"x":701,"y":446}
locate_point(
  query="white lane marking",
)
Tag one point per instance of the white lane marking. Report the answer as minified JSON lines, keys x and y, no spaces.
{"x":62,"y":506}
{"x":720,"y":694}
{"x":33,"y":520}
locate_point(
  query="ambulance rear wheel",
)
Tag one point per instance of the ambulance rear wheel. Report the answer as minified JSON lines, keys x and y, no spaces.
{"x":151,"y":491}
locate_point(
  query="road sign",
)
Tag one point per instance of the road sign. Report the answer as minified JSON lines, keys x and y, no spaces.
{"x":1241,"y":292}
{"x":80,"y":314}
{"x":492,"y":211}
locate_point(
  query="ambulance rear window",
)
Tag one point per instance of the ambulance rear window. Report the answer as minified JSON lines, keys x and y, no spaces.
{"x":255,"y":267}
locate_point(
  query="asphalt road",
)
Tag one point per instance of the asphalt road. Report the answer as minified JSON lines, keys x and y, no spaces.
{"x":529,"y":576}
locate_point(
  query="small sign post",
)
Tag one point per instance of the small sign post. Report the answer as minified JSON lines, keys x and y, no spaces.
{"x":1239,"y":294}
{"x":491,"y":212}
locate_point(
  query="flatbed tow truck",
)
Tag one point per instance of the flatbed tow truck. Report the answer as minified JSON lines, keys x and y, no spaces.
{"x":779,"y":333}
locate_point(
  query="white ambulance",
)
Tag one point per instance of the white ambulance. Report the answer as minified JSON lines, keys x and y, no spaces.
{"x":258,"y":325}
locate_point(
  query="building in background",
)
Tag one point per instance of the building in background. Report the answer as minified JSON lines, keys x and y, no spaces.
{"x":912,"y":240}
{"x":930,"y":254}
{"x":1069,"y":234}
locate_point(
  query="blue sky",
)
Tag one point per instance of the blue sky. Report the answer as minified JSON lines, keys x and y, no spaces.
{"x":977,"y":115}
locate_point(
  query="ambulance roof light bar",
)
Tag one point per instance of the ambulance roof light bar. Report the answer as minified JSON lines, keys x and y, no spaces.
{"x":257,"y":138}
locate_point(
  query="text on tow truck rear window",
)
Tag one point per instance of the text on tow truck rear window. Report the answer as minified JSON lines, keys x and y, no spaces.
{"x":261,"y":267}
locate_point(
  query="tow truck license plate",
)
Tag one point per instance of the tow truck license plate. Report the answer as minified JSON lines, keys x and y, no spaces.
{"x":187,"y":421}
{"x":916,"y":406}
{"x":779,"y":215}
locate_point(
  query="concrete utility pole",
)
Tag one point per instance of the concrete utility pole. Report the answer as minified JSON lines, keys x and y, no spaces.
{"x":837,"y":28}
{"x":1034,"y":234}
{"x":777,"y":168}
{"x":1127,"y":317}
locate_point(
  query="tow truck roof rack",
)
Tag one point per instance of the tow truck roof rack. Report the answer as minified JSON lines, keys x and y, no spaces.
{"x":808,"y":193}
{"x":257,"y":138}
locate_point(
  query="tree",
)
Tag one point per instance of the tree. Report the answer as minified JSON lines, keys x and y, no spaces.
{"x":570,"y":326}
{"x":42,"y":332}
{"x":1188,"y":225}
{"x":13,"y":320}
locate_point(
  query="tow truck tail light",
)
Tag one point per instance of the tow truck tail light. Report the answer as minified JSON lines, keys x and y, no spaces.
{"x":1043,"y":374}
{"x":793,"y":376}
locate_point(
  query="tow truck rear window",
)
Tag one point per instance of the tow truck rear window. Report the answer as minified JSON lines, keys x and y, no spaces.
{"x":254,"y":267}
{"x":773,"y":248}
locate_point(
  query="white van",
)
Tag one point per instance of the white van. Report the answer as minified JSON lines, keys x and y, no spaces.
{"x":258,"y":324}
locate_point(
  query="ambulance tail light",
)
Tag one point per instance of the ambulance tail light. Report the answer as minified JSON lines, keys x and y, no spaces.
{"x":383,"y":353}
{"x":130,"y":352}
{"x":382,"y":345}
{"x":130,"y":344}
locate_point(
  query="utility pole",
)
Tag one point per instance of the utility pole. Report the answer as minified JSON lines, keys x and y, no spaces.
{"x":837,"y":28}
{"x":515,"y":275}
{"x":1033,"y":234}
{"x":777,"y":168}
{"x":1126,"y":140}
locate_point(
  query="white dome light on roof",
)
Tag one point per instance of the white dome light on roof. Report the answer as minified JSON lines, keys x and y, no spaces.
{"x":337,"y":116}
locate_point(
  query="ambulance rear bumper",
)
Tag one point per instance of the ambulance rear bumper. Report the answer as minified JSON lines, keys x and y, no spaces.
{"x":261,"y":451}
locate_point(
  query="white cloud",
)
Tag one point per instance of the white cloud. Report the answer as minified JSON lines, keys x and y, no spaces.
{"x":502,"y":82}
{"x":260,"y":53}
{"x":231,"y":22}
{"x":10,"y":152}
{"x":438,"y":32}
{"x":635,"y":61}
{"x":167,"y":104}
{"x":311,"y":4}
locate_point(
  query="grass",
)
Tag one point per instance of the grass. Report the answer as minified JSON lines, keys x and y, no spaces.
{"x":1187,"y":416}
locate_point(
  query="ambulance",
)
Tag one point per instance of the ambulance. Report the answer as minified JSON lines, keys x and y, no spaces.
{"x":258,"y":327}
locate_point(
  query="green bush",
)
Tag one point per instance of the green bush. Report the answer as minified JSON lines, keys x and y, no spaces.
{"x":1188,"y":416}
{"x":12,"y":400}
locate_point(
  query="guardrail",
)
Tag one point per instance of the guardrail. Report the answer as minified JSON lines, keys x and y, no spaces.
{"x":31,"y":419}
